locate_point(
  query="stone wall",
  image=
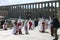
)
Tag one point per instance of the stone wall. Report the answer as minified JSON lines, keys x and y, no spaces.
{"x":58,"y":13}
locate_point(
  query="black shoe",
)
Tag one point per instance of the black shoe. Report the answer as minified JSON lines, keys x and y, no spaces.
{"x":20,"y":33}
{"x":15,"y":34}
{"x":5,"y":29}
{"x":53,"y":39}
{"x":27,"y":33}
{"x":52,"y":35}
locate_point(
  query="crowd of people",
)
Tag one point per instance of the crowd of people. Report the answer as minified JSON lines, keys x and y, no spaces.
{"x":43,"y":24}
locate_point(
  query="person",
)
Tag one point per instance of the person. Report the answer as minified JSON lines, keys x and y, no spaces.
{"x":26,"y":27}
{"x":56,"y":26}
{"x":2,"y":22}
{"x":36,"y":22}
{"x":15,"y":29}
{"x":5,"y":25}
{"x":43,"y":26}
{"x":41,"y":23}
{"x":50,"y":24}
{"x":30,"y":24}
{"x":19,"y":24}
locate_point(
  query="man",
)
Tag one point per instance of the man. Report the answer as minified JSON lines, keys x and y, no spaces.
{"x":43,"y":26}
{"x":26,"y":27}
{"x":14,"y":23}
{"x":2,"y":22}
{"x":30,"y":24}
{"x":19,"y":24}
{"x":56,"y":26}
{"x":41,"y":23}
{"x":50,"y":23}
{"x":36,"y":22}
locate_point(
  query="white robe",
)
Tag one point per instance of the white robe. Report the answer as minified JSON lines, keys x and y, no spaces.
{"x":14,"y":28}
{"x":20,"y":27}
{"x":4,"y":26}
{"x":40,"y":26}
{"x":49,"y":24}
{"x":26,"y":25}
{"x":32,"y":25}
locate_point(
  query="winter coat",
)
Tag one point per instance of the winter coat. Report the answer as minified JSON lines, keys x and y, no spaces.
{"x":55,"y":23}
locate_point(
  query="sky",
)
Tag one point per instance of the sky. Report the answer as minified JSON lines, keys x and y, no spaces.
{"x":12,"y":2}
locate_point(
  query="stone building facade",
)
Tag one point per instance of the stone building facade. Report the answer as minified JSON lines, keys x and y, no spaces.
{"x":35,"y":10}
{"x":58,"y":13}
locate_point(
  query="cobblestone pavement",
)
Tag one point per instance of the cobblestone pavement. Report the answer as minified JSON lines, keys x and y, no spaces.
{"x":33,"y":35}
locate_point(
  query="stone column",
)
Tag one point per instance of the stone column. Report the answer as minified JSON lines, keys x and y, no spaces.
{"x":30,"y":7}
{"x":41,"y":7}
{"x":38,"y":8}
{"x":59,"y":3}
{"x":33,"y":8}
{"x":45,"y":6}
{"x":25,"y":8}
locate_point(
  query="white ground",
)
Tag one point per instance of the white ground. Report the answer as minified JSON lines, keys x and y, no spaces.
{"x":33,"y":35}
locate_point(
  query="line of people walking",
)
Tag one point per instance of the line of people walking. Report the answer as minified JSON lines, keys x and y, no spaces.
{"x":18,"y":25}
{"x":53,"y":24}
{"x":43,"y":24}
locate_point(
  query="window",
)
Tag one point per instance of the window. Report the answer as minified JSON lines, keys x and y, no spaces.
{"x":37,"y":6}
{"x":43,"y":5}
{"x":50,"y":4}
{"x":34,"y":5}
{"x":40,"y":5}
{"x":53,"y":4}
{"x":46,"y":4}
{"x":31,"y":6}
{"x":24,"y":7}
{"x":57,"y":4}
{"x":15,"y":6}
